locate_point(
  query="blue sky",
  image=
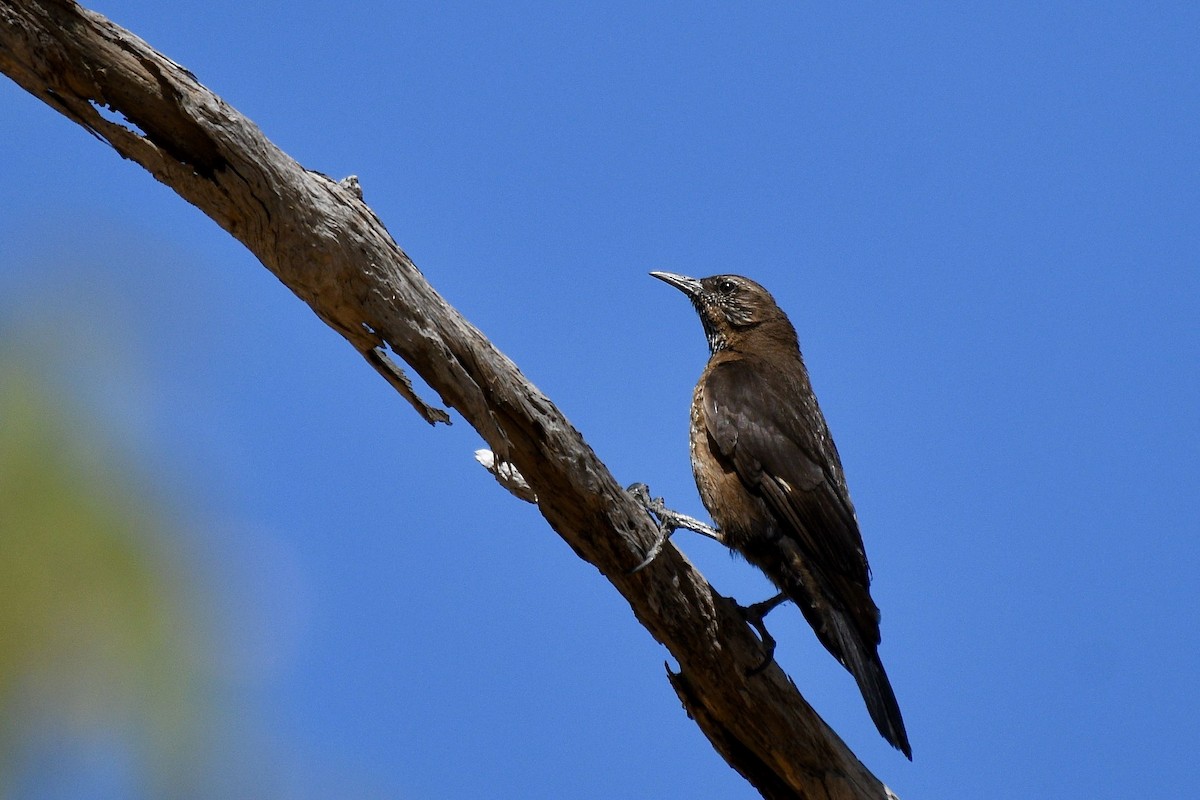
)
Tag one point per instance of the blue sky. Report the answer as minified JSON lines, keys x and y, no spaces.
{"x":982,"y":221}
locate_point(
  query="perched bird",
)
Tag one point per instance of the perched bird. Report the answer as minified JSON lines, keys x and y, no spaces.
{"x":770,"y":476}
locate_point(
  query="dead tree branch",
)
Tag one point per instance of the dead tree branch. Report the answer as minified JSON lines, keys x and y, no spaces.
{"x":326,"y":245}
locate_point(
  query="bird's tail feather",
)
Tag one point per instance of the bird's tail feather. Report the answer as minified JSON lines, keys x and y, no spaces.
{"x":862,"y":661}
{"x":840,"y":634}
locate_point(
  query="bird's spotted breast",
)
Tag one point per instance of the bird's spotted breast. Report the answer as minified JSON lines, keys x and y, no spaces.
{"x":738,"y":513}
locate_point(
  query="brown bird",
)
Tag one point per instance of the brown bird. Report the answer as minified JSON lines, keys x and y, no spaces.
{"x":770,"y":476}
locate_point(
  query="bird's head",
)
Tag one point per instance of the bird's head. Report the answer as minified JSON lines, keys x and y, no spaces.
{"x":731,"y":308}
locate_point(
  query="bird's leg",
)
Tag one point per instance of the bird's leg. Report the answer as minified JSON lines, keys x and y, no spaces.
{"x":668,"y":522}
{"x":754,"y":616}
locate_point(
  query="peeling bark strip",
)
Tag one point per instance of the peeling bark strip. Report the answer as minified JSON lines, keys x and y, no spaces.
{"x":319,"y":238}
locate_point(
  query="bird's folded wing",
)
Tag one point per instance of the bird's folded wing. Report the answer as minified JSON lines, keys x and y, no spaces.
{"x":775,"y":448}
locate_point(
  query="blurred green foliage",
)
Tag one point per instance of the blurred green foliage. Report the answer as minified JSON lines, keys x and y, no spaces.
{"x":96,"y":646}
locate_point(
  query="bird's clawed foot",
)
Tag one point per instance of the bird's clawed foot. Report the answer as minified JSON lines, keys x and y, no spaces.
{"x":754,"y":616}
{"x":668,"y":522}
{"x":657,"y":510}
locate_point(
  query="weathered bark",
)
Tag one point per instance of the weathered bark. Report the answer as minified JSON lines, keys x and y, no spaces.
{"x":323,"y":242}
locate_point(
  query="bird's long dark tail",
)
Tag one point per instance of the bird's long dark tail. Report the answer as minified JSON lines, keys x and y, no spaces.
{"x":862,"y":661}
{"x":855,"y":645}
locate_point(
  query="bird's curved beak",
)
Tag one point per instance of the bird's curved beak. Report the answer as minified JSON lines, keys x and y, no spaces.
{"x":689,"y":286}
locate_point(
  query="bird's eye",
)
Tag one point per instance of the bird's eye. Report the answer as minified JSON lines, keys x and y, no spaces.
{"x":726,"y":286}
